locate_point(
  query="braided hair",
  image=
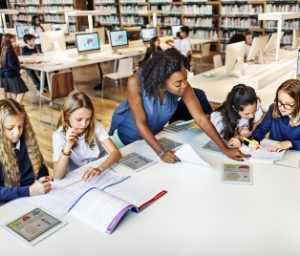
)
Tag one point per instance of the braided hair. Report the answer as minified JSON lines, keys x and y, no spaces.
{"x":160,"y":67}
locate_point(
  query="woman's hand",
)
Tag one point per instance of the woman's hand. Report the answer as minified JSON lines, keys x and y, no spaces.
{"x":169,"y":157}
{"x":234,"y":142}
{"x":281,"y":146}
{"x":253,"y":145}
{"x":91,"y":173}
{"x":235,"y":154}
{"x":41,"y":187}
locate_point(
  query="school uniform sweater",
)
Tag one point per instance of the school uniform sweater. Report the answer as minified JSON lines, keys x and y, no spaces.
{"x":279,"y":129}
{"x":11,"y":67}
{"x":26,"y":50}
{"x":26,"y":176}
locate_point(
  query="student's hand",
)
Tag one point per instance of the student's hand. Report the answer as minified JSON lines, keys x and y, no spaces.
{"x":22,"y":71}
{"x":71,"y":136}
{"x":253,"y":145}
{"x":40,"y":188}
{"x":45,"y":179}
{"x":169,"y":157}
{"x":281,"y":146}
{"x":235,"y":154}
{"x":91,"y":173}
{"x":234,"y":142}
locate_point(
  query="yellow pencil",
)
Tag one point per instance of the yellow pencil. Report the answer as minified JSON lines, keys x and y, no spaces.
{"x":245,"y":139}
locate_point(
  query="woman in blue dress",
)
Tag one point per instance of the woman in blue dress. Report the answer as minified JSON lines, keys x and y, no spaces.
{"x":153,"y":96}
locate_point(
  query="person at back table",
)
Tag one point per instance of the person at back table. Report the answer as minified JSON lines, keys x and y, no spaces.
{"x":153,"y":96}
{"x":36,"y":30}
{"x":185,"y":43}
{"x":176,"y":42}
{"x":154,"y":46}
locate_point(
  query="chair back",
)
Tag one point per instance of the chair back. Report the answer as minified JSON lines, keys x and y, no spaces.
{"x":62,"y":84}
{"x":205,"y":50}
{"x":125,"y":67}
{"x":217,"y":61}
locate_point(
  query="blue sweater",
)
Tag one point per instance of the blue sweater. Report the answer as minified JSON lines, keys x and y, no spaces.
{"x":11,"y":67}
{"x":26,"y":178}
{"x":279,"y":129}
{"x":28,"y":51}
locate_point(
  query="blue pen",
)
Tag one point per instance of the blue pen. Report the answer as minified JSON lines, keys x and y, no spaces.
{"x":186,"y":123}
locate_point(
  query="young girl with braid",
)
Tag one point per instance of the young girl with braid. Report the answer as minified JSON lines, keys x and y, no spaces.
{"x":21,"y":162}
{"x":153,"y":96}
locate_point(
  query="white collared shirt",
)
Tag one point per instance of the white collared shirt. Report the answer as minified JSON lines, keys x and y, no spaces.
{"x":18,"y":145}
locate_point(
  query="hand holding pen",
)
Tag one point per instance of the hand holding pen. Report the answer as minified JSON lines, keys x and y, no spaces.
{"x":71,"y":136}
{"x":253,"y":144}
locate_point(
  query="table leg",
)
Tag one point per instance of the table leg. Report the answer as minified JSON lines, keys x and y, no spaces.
{"x":99,"y":86}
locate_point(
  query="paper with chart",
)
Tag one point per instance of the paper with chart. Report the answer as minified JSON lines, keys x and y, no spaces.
{"x":59,"y":200}
{"x":136,"y":162}
{"x":236,"y":174}
{"x":169,"y":144}
{"x":172,"y":128}
{"x":187,"y":154}
{"x":264,"y":154}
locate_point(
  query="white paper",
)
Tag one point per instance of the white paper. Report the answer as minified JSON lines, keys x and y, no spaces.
{"x":264,"y":154}
{"x":187,"y":154}
{"x":291,"y":158}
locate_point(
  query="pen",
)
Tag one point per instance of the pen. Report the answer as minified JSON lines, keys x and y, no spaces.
{"x":245,"y":139}
{"x":185,"y":123}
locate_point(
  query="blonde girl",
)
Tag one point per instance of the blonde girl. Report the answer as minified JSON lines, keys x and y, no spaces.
{"x":282,"y":119}
{"x":79,"y":138}
{"x":11,"y":71}
{"x":21,"y":161}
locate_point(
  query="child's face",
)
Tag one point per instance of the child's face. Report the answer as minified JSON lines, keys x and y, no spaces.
{"x":249,"y":111}
{"x":80,"y":119}
{"x":13,"y":42}
{"x":13,"y":127}
{"x":37,"y":21}
{"x":183,"y":34}
{"x":31,"y":42}
{"x":157,"y":42}
{"x":285,"y":103}
{"x":249,"y":39}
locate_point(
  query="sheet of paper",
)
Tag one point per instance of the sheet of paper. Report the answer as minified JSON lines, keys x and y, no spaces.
{"x":187,"y":154}
{"x":264,"y":154}
{"x":291,"y":158}
{"x":135,"y":162}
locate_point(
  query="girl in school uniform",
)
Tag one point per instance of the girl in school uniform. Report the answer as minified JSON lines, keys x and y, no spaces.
{"x":153,"y":96}
{"x":238,"y":116}
{"x":21,"y":161}
{"x":11,"y":71}
{"x":80,"y":139}
{"x":282,"y":119}
{"x":36,"y":30}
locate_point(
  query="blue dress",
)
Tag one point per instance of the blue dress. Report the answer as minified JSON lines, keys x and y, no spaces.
{"x":157,"y":115}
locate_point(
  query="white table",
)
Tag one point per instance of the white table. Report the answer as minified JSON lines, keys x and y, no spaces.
{"x":198,"y":216}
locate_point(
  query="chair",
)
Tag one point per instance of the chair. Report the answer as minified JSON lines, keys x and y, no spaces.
{"x":217,"y":61}
{"x":61,"y":85}
{"x":125,"y":69}
{"x":204,"y":54}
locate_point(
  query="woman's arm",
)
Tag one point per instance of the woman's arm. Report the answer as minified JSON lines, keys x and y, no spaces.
{"x":113,"y":156}
{"x":204,"y":123}
{"x":139,"y":116}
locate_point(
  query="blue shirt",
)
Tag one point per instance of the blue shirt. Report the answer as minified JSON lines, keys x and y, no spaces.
{"x":26,"y":50}
{"x":157,"y":115}
{"x":279,"y":129}
{"x":26,"y":176}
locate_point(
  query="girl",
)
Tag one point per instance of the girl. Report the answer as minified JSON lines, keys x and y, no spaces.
{"x":13,"y":84}
{"x":21,"y":161}
{"x":282,"y":119}
{"x":154,"y":46}
{"x":153,"y":96}
{"x":248,"y":42}
{"x":176,"y":42}
{"x":237,"y":117}
{"x":78,"y":139}
{"x":35,"y":30}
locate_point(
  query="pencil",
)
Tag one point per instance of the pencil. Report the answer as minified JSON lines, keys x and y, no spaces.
{"x":245,"y":139}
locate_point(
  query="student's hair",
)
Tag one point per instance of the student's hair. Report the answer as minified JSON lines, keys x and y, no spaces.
{"x":28,"y":37}
{"x":5,"y":46}
{"x":160,"y":67}
{"x":237,"y":38}
{"x":239,"y":97}
{"x":178,"y":35}
{"x":185,"y":29}
{"x":8,"y":160}
{"x":73,"y":102}
{"x":153,"y":47}
{"x":1,"y":36}
{"x":247,"y":33}
{"x":292,"y":88}
{"x":97,"y":24}
{"x":34,"y":24}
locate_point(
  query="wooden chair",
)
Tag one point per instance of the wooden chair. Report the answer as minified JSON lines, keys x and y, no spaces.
{"x":125,"y":69}
{"x":62,"y":84}
{"x":204,"y":54}
{"x":217,"y":61}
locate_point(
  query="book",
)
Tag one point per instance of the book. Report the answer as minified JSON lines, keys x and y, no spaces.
{"x":187,"y":154}
{"x":34,"y":226}
{"x":168,"y":144}
{"x":176,"y":127}
{"x":136,"y":162}
{"x":236,"y":174}
{"x":116,"y":194}
{"x":103,"y":210}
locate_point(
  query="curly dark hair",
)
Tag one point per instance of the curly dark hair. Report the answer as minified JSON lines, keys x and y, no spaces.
{"x":239,"y":97}
{"x":160,"y":67}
